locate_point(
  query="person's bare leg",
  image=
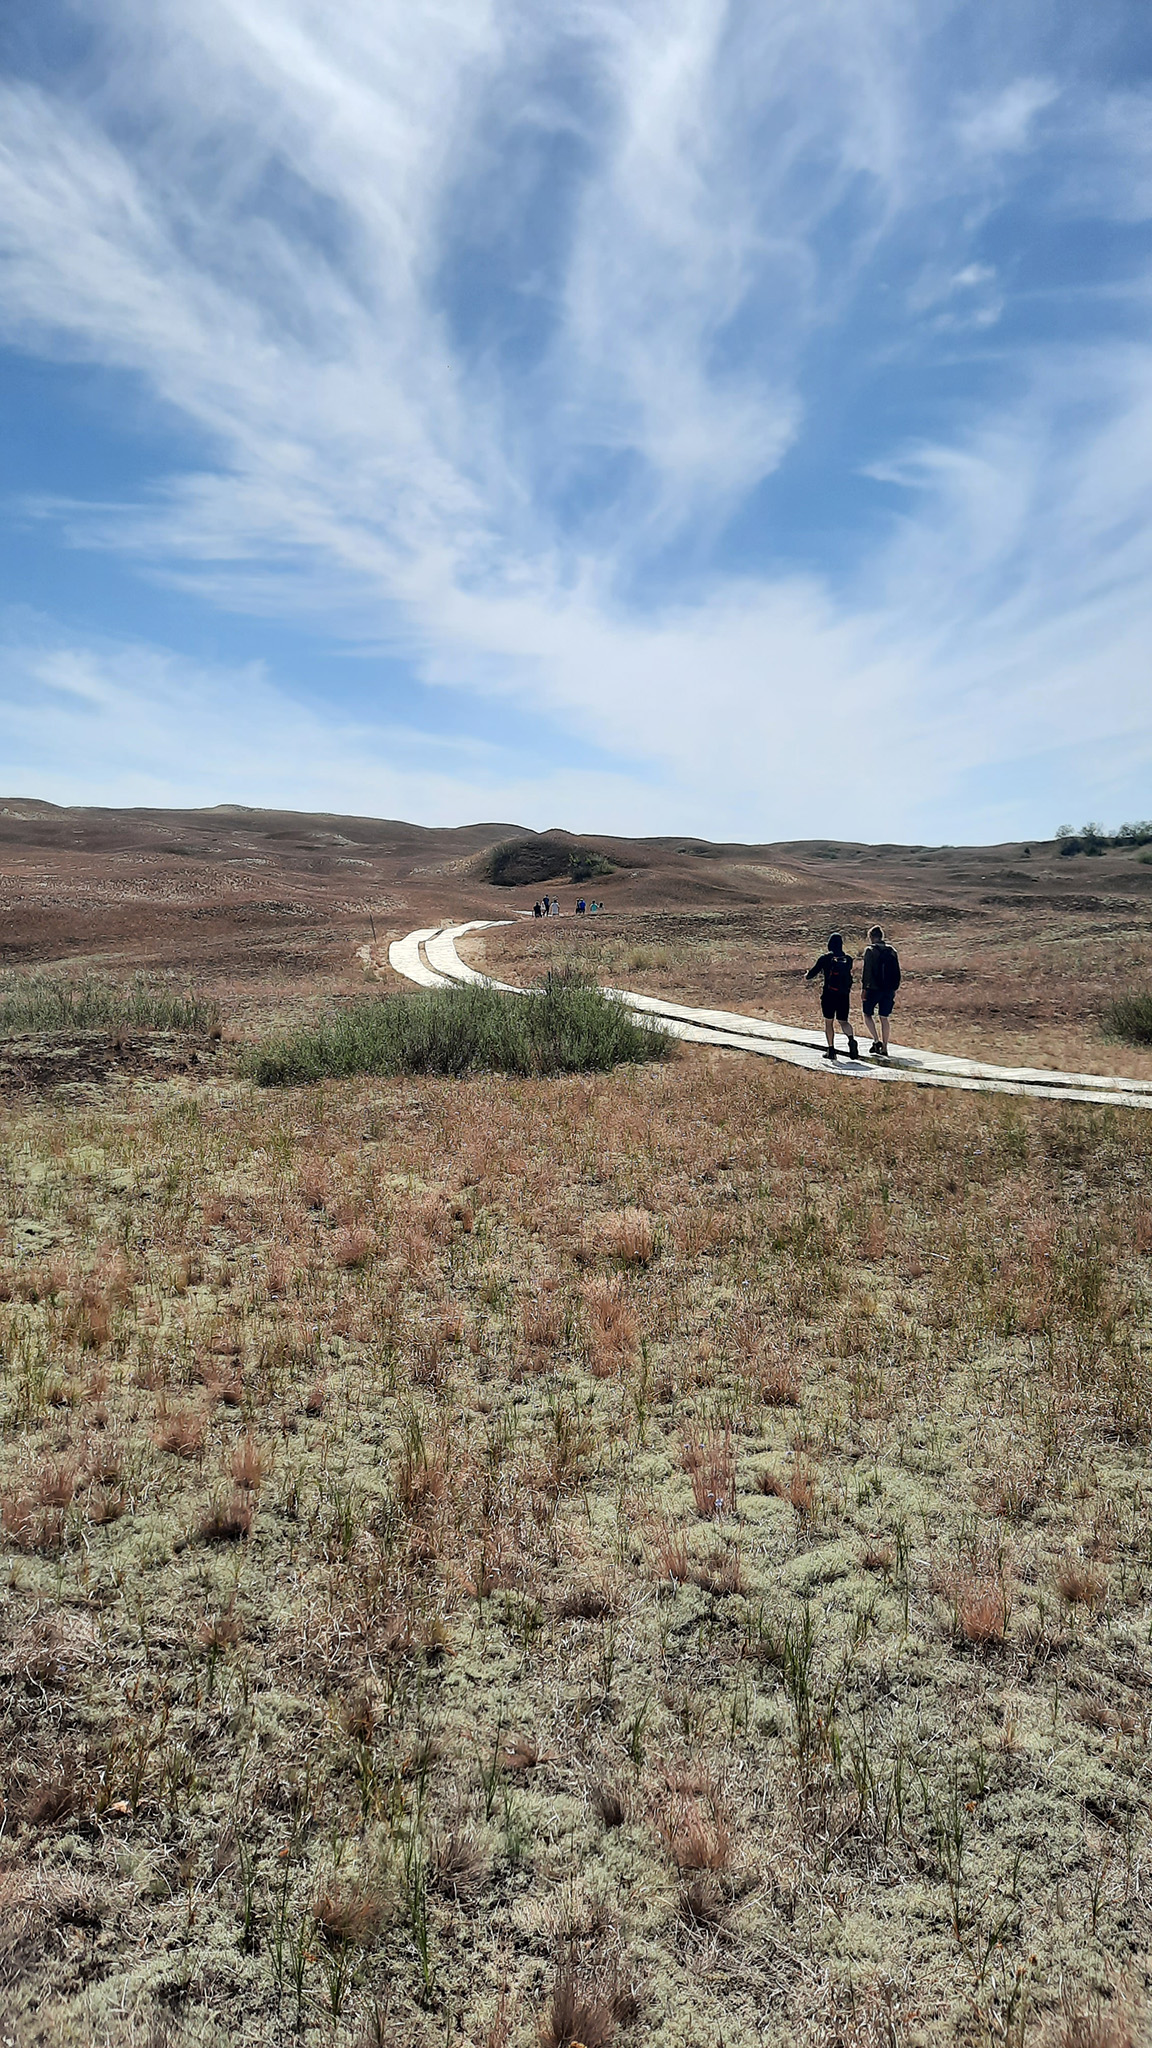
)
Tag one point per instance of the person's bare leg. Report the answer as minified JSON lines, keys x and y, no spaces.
{"x":884,"y":1024}
{"x":830,"y":1032}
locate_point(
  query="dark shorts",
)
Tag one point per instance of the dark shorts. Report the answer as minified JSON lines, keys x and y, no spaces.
{"x":874,"y":1000}
{"x":835,"y":1006}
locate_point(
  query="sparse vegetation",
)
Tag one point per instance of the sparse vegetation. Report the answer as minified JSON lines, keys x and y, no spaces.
{"x":1095,"y":838}
{"x":39,"y":1003}
{"x":658,"y":1556}
{"x":563,"y":1027}
{"x":1130,"y":1018}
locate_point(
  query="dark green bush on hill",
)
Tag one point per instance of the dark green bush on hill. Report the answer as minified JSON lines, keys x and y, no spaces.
{"x":584,"y":864}
{"x":522,"y":863}
{"x":1094,"y":838}
{"x":563,"y":1027}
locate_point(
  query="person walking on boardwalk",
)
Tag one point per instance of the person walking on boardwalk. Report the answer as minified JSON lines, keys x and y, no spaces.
{"x":881,"y":979}
{"x":836,"y":967}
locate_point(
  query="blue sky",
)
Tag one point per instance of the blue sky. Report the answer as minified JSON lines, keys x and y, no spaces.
{"x":641,"y":415}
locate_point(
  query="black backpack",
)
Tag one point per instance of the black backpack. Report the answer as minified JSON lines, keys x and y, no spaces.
{"x":838,"y":975}
{"x":885,"y":968}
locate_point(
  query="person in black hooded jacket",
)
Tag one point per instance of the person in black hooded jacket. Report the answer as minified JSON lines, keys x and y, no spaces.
{"x":836,"y":967}
{"x":881,"y":979}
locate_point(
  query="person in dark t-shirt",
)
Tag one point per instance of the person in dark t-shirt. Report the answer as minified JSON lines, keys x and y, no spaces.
{"x":836,"y":967}
{"x":881,"y":979}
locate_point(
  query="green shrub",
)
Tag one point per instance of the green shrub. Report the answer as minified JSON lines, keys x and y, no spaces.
{"x":1130,"y":1018}
{"x":584,"y":864}
{"x":563,"y":1027}
{"x":45,"y":1002}
{"x":521,"y":863}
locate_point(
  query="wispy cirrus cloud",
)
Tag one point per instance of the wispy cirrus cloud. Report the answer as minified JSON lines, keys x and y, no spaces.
{"x":671,"y":369}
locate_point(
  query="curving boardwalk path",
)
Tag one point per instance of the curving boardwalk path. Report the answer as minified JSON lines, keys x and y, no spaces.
{"x":430,"y":958}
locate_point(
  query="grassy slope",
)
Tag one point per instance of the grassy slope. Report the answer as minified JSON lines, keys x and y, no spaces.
{"x":403,"y":1481}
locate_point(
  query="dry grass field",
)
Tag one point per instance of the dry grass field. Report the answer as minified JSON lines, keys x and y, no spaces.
{"x":662,"y":1559}
{"x":665,"y":1558}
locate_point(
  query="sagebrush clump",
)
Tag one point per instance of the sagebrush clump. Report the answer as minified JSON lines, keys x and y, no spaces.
{"x":565,"y":1026}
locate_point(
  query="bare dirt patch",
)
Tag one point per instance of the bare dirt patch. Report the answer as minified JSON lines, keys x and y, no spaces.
{"x":41,"y":1065}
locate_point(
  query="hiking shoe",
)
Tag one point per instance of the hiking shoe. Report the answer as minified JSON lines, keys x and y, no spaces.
{"x":853,"y":1049}
{"x":831,"y":1053}
{"x":876,"y":1046}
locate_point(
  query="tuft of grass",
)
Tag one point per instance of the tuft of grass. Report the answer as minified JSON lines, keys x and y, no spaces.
{"x":44,"y":1002}
{"x":780,"y":1386}
{"x":226,"y":1523}
{"x":1118,"y":2026}
{"x":580,"y":2013}
{"x":182,"y":1434}
{"x":564,"y":1026}
{"x":630,"y":1237}
{"x":1130,"y":1018}
{"x":700,"y":1842}
{"x":710,"y":1462}
{"x":703,"y":1907}
{"x":458,"y":1863}
{"x":611,"y":1805}
{"x":51,"y":1799}
{"x":348,"y":1914}
{"x":1079,"y":1585}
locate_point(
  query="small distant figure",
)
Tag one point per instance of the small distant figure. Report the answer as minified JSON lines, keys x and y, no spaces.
{"x":880,"y":981}
{"x":555,"y":910}
{"x":536,"y":910}
{"x":593,"y":907}
{"x":547,"y":905}
{"x":836,"y":967}
{"x":581,"y":906}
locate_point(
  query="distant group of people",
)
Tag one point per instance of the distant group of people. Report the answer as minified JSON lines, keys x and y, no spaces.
{"x":549,"y":906}
{"x":880,"y":979}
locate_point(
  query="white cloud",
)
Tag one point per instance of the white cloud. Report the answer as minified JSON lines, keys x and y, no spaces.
{"x":125,"y":723}
{"x":256,"y":206}
{"x":1005,"y":121}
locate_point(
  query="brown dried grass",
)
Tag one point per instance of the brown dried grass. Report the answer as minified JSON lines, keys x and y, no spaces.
{"x":249,"y":1465}
{"x":710,"y":1462}
{"x":226,"y":1521}
{"x":353,"y":1247}
{"x":803,"y":1491}
{"x":580,"y":2012}
{"x":1079,"y":1583}
{"x":630,"y":1236}
{"x":780,"y":1384}
{"x":182,"y":1433}
{"x":542,"y":1322}
{"x":1118,"y":2025}
{"x":699,"y":1841}
{"x":348,"y":1914}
